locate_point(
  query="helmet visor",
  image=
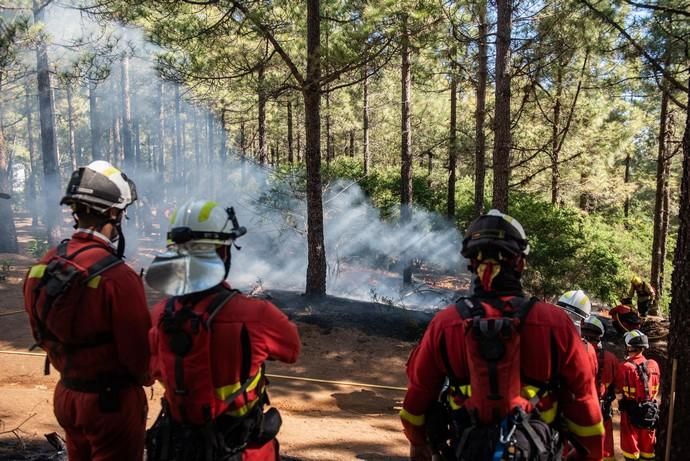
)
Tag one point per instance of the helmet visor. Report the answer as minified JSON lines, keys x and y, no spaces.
{"x":180,"y":272}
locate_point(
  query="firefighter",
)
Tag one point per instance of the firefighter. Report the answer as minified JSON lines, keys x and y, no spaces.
{"x":485,"y":363}
{"x":88,"y":311}
{"x":578,"y":307}
{"x":593,"y":331}
{"x":624,"y":317}
{"x":209,"y":344}
{"x":638,"y":381}
{"x":646,"y":295}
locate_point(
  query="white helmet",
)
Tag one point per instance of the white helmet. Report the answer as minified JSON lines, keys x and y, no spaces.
{"x":100,"y":186}
{"x":593,"y":326}
{"x":576,"y":303}
{"x":191,"y":263}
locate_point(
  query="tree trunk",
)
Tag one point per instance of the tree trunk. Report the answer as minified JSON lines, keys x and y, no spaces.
{"x":70,"y":128}
{"x":160,"y":130}
{"x":352,"y":143}
{"x":555,"y":128}
{"x":502,"y":135}
{"x":679,"y":340}
{"x":452,"y":139}
{"x":32,"y":186}
{"x":661,"y":187}
{"x":243,"y":139}
{"x":626,"y":180}
{"x":365,"y":120}
{"x":127,"y":145}
{"x":480,"y":113}
{"x":197,"y":141}
{"x":316,"y":256}
{"x":223,"y":148}
{"x":96,"y":153}
{"x":116,"y":153}
{"x":406,"y":141}
{"x":51,"y":178}
{"x":8,"y":232}
{"x":291,"y":158}
{"x":177,"y":127}
{"x":262,"y":114}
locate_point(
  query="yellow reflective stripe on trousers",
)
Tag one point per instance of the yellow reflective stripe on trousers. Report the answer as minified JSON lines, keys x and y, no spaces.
{"x":226,"y":391}
{"x":585,"y":431}
{"x":37,"y":271}
{"x":415,"y":420}
{"x":631,"y":455}
{"x":644,"y":455}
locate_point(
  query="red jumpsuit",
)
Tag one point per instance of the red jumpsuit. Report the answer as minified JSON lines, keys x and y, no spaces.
{"x":112,"y":303}
{"x":272,"y":337}
{"x":637,"y":443}
{"x":608,"y":364}
{"x":545,"y":327}
{"x":625,"y":318}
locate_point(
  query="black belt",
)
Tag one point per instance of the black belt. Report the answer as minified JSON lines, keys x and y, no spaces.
{"x":96,"y":386}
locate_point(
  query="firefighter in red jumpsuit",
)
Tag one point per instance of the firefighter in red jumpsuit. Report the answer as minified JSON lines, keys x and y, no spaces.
{"x":579,"y":308}
{"x":638,"y":380}
{"x":624,"y":317}
{"x":593,"y":331}
{"x":227,"y":376}
{"x":103,"y":361}
{"x":550,"y":350}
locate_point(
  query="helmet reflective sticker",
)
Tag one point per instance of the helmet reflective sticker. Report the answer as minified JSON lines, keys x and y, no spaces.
{"x":576,"y":302}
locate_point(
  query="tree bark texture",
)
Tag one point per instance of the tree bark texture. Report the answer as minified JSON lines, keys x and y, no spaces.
{"x":70,"y":128}
{"x":177,"y":127}
{"x":261,"y":83}
{"x":480,"y":112}
{"x":126,"y":101}
{"x":365,"y":121}
{"x":291,"y":158}
{"x":51,"y":177}
{"x":8,"y":232}
{"x":626,"y":180}
{"x":406,"y":141}
{"x":502,"y":135}
{"x":32,"y":186}
{"x":555,"y":142}
{"x":661,"y":192}
{"x":316,"y":257}
{"x":160,"y":129}
{"x":452,"y":139}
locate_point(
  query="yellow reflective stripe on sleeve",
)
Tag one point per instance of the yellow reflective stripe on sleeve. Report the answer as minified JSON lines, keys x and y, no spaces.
{"x":549,"y":416}
{"x":243,"y":410}
{"x":466,"y":390}
{"x":415,"y":420}
{"x":631,"y":455}
{"x":585,"y":431}
{"x":94,"y":282}
{"x":205,"y":211}
{"x":226,"y":391}
{"x":37,"y":271}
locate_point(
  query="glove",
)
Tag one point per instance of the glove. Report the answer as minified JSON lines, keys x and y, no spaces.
{"x":420,"y":453}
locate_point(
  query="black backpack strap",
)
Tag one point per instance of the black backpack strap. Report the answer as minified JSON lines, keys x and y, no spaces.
{"x":469,"y":308}
{"x":101,"y":266}
{"x":218,"y":302}
{"x":61,"y":249}
{"x":643,"y":373}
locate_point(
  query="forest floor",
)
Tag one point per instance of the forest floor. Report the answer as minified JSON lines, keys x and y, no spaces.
{"x":343,"y":340}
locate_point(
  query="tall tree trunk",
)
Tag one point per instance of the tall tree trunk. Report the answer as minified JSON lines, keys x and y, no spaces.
{"x":51,"y":177}
{"x":406,"y":141}
{"x":160,"y":130}
{"x":211,"y":147}
{"x":243,"y":139}
{"x":452,"y":138}
{"x":116,"y":153}
{"x":316,"y":255}
{"x":664,"y":231}
{"x":502,"y":135}
{"x":289,"y":133}
{"x":70,"y":128}
{"x":197,"y":140}
{"x":480,"y":112}
{"x":555,"y":128}
{"x":661,"y":188}
{"x":352,"y":143}
{"x":261,"y":80}
{"x":679,"y":340}
{"x":626,"y":180}
{"x":177,"y":127}
{"x":223,"y":148}
{"x":127,"y":145}
{"x":33,"y":160}
{"x":94,"y":121}
{"x":8,"y":232}
{"x":365,"y":120}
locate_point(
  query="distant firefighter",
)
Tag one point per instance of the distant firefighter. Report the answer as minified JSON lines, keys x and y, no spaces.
{"x":646,"y":295}
{"x":88,"y":312}
{"x":624,"y":317}
{"x":209,"y":344}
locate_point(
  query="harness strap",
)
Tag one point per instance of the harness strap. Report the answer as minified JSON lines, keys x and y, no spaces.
{"x":643,"y":373}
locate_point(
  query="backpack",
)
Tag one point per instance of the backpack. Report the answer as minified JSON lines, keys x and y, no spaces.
{"x":57,"y":300}
{"x":193,"y":424}
{"x":643,"y":414}
{"x":496,"y":422}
